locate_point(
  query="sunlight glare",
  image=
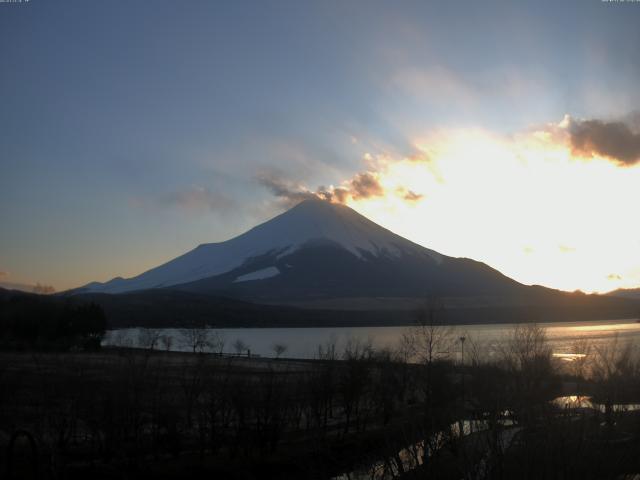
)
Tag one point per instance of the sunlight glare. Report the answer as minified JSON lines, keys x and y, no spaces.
{"x":523,"y":204}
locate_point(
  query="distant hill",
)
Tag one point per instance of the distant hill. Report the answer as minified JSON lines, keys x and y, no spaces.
{"x":165,"y":308}
{"x":171,"y":308}
{"x":633,"y":293}
{"x":23,"y":287}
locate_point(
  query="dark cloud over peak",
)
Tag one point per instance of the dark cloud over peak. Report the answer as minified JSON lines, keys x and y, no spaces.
{"x":334,"y":194}
{"x":615,"y":140}
{"x":361,"y":186}
{"x":283,"y":189}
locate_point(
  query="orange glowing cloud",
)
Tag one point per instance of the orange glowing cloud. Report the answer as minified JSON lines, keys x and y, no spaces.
{"x":530,"y":204}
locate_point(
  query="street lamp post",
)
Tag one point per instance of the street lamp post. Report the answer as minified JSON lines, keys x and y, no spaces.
{"x":462,"y":339}
{"x":461,"y":369}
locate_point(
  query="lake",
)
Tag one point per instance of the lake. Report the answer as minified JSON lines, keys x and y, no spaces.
{"x":303,"y":342}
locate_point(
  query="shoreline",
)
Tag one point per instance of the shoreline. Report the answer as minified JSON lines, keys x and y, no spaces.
{"x":461,"y":323}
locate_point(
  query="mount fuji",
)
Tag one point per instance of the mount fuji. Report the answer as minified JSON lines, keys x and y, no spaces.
{"x":317,"y":250}
{"x":324,"y":264}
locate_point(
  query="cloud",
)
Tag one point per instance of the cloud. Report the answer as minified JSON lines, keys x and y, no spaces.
{"x":197,"y":199}
{"x":365,"y":185}
{"x":334,"y":194}
{"x":361,"y":186}
{"x":614,"y":276}
{"x":410,"y":195}
{"x":528,"y":179}
{"x":290,"y":193}
{"x":614,"y":140}
{"x":3,"y":274}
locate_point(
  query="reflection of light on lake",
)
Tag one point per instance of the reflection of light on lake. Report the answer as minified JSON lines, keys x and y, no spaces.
{"x":580,"y":402}
{"x":600,"y":328}
{"x":573,"y":401}
{"x":411,"y":457}
{"x":569,"y":357}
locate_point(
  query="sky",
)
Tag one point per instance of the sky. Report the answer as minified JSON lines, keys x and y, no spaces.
{"x":507,"y":132}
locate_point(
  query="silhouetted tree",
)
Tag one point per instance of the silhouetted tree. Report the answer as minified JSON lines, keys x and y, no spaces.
{"x":279,"y":349}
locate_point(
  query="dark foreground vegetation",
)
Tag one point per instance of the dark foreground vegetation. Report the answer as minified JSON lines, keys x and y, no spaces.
{"x":41,"y":322}
{"x":416,"y":412}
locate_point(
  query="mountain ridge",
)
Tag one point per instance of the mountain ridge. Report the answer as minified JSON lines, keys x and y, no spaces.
{"x":633,"y":293}
{"x":321,"y":264}
{"x":317,"y":250}
{"x":311,"y":221}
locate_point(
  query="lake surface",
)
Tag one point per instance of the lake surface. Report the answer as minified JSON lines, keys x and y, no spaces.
{"x":303,"y":342}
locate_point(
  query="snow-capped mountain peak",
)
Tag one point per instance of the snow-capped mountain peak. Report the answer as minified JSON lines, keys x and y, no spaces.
{"x":309,"y":222}
{"x":313,"y":220}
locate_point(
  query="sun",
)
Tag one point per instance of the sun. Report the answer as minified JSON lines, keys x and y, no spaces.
{"x":524,"y":204}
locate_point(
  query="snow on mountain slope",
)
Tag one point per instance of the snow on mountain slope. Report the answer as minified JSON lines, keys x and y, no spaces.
{"x":258,"y":275}
{"x":311,"y":221}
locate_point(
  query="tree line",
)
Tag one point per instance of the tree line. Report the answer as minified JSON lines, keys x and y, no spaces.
{"x":36,"y":322}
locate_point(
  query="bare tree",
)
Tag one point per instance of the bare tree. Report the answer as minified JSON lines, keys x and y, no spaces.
{"x":476,"y":351}
{"x":354,"y":379}
{"x":239,"y":346}
{"x":279,"y":349}
{"x":526,"y":355}
{"x":612,"y":367}
{"x":430,"y":343}
{"x":579,"y":364}
{"x":196,"y":339}
{"x":216,"y":342}
{"x":167,"y":342}
{"x":328,"y":351}
{"x":121,"y":339}
{"x":526,"y":344}
{"x":431,"y":338}
{"x":148,"y":338}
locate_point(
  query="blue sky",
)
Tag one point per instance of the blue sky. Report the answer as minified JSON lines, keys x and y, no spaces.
{"x":132,"y":131}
